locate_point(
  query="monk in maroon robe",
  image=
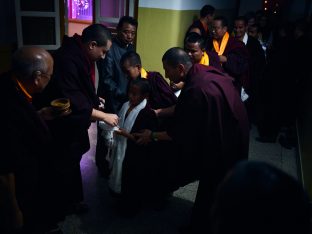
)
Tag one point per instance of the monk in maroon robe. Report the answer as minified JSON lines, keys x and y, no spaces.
{"x":233,"y":54}
{"x":209,"y":131}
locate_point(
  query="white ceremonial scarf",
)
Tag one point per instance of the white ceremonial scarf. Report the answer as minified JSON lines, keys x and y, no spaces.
{"x":118,"y":152}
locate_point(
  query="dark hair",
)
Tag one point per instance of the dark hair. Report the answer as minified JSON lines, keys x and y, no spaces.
{"x":98,"y":33}
{"x":254,"y":26}
{"x":194,"y":37}
{"x":223,"y":20}
{"x":207,"y":10}
{"x":258,"y":198}
{"x":175,"y":56}
{"x":127,"y":19}
{"x":132,"y":57}
{"x":143,"y":85}
{"x":241,"y":18}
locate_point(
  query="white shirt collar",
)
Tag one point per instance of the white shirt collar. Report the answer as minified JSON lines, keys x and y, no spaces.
{"x":245,"y":39}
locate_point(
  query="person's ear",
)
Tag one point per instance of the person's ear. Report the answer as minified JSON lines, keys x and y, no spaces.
{"x":37,"y":77}
{"x":92,"y":45}
{"x":181,"y":69}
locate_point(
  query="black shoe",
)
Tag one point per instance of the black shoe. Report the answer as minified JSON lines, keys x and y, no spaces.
{"x":266,"y":139}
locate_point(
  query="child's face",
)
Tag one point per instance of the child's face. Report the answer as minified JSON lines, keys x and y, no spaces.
{"x":131,"y":71}
{"x":135,"y":95}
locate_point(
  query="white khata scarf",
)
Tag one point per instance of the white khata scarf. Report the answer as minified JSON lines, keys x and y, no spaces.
{"x":118,"y":152}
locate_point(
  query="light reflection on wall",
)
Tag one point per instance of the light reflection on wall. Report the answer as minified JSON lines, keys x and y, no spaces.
{"x":80,"y":9}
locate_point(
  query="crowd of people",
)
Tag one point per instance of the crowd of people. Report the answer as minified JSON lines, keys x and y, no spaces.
{"x":157,"y":135}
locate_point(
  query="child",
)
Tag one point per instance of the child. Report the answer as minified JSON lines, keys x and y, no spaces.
{"x":161,"y":95}
{"x":129,"y":162}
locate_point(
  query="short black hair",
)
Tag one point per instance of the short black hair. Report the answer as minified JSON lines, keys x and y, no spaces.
{"x":98,"y":33}
{"x":207,"y":10}
{"x":241,"y":18}
{"x":143,"y":85}
{"x":223,"y":20}
{"x":127,"y":19}
{"x":194,"y":37}
{"x":132,"y":57}
{"x":175,"y":56}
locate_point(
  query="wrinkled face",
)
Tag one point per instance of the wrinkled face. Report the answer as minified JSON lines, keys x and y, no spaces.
{"x":173,"y":74}
{"x":239,"y":29}
{"x":135,"y":95}
{"x":131,"y":71}
{"x":45,"y":76}
{"x":127,"y":33}
{"x":194,"y":51}
{"x":96,"y":52}
{"x":218,"y":30}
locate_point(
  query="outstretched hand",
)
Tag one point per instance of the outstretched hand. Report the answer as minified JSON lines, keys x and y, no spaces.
{"x":124,"y":133}
{"x":143,"y":137}
{"x":111,"y":119}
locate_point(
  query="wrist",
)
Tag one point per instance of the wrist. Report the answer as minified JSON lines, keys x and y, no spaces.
{"x":153,"y":136}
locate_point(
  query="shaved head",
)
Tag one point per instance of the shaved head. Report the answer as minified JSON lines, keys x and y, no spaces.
{"x":28,"y":60}
{"x":175,"y":56}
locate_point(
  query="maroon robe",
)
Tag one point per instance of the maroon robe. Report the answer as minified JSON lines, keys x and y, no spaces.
{"x":138,"y":167}
{"x":161,"y":95}
{"x":210,"y":133}
{"x":71,"y":79}
{"x":237,"y":62}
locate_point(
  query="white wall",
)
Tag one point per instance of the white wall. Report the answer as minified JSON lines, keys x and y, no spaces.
{"x":186,"y":4}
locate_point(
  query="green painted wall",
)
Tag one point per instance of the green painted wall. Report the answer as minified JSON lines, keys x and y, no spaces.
{"x":158,"y":31}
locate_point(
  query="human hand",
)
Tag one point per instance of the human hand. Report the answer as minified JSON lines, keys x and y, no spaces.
{"x":177,"y":86}
{"x":102,"y":103}
{"x":143,"y":137}
{"x":111,"y":119}
{"x":123,"y":132}
{"x":222,"y":58}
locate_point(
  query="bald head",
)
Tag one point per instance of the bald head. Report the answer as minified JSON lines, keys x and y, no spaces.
{"x":30,"y":60}
{"x":175,"y":56}
{"x":176,"y":63}
{"x":33,"y":67}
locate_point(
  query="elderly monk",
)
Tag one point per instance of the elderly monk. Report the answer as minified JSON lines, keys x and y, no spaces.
{"x":26,"y":187}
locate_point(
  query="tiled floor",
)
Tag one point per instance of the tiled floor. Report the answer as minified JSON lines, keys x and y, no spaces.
{"x":102,"y":217}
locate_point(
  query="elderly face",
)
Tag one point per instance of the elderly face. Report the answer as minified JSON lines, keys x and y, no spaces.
{"x":194,"y":51}
{"x":218,"y":30}
{"x":45,"y":77}
{"x":240,"y":28}
{"x":127,"y":33}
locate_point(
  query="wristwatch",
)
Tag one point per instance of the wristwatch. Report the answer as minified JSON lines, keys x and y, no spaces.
{"x":154,"y":136}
